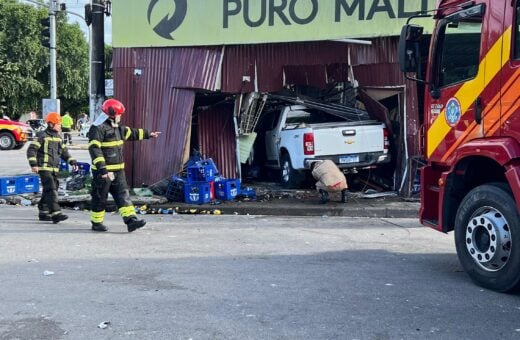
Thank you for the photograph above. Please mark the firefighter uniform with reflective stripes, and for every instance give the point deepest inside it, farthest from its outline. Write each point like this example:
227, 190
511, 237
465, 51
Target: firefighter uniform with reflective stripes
106, 150
45, 153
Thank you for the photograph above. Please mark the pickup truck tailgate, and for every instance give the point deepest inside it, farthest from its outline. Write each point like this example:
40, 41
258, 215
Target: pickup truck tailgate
347, 140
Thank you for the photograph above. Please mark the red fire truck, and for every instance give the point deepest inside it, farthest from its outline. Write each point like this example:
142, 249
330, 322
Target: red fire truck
471, 182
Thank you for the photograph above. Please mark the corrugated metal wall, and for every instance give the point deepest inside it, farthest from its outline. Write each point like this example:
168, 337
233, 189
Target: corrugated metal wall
144, 81
216, 135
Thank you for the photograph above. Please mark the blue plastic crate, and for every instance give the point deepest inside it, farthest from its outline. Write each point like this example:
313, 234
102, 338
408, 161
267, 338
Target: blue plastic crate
201, 173
208, 162
175, 191
83, 169
63, 165
248, 192
227, 189
15, 185
197, 193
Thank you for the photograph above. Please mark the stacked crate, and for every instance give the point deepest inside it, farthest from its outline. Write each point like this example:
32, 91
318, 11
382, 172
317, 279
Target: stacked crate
200, 178
22, 184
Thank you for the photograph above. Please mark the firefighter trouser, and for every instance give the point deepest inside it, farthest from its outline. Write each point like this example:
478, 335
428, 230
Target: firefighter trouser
67, 138
119, 191
48, 204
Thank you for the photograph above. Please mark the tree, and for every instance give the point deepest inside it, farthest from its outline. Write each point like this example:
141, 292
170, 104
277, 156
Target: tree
24, 62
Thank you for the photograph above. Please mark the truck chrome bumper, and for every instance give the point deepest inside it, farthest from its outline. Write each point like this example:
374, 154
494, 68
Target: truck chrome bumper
365, 160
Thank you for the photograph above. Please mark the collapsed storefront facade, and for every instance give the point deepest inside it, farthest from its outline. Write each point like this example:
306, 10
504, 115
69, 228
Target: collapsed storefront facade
161, 85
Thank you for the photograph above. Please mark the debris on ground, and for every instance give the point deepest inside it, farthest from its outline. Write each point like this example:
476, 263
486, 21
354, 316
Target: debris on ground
104, 324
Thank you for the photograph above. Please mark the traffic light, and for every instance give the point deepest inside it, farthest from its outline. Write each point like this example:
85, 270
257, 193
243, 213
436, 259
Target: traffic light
46, 32
88, 14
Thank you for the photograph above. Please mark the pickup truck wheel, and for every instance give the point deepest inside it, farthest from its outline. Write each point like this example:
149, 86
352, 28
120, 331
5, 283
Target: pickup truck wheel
290, 178
7, 141
487, 237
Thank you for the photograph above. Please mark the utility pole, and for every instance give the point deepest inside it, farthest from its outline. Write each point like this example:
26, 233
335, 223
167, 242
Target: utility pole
97, 57
49, 41
54, 7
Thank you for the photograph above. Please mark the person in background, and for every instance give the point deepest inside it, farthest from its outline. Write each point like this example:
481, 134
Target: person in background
330, 179
44, 156
83, 119
66, 127
106, 138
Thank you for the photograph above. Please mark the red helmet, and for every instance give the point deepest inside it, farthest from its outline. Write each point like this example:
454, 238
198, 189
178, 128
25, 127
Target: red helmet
113, 107
53, 118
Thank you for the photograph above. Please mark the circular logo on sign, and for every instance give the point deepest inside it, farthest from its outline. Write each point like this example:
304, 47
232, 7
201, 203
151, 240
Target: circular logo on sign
453, 112
169, 23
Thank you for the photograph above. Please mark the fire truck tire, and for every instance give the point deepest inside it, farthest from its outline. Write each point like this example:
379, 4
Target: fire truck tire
7, 141
487, 237
289, 178
19, 146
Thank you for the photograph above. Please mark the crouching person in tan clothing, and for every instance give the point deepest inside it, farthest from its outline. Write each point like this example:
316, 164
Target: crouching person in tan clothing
330, 179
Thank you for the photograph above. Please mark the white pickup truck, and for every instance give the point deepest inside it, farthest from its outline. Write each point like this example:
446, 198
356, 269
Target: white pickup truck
297, 136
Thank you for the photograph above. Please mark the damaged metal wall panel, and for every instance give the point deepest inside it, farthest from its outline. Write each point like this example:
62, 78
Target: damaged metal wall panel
205, 76
143, 80
264, 63
216, 135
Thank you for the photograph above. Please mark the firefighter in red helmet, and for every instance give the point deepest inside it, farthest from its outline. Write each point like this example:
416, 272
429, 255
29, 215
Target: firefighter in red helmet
106, 137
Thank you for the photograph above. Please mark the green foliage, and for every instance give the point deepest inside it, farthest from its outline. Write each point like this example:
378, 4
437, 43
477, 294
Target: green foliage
24, 62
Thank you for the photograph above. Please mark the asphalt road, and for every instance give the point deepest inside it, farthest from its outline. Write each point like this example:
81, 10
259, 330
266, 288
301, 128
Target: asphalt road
240, 277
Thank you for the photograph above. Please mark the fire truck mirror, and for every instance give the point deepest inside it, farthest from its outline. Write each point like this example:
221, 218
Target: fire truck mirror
409, 50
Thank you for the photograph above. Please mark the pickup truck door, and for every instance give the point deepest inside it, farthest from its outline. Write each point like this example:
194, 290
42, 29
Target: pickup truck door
272, 137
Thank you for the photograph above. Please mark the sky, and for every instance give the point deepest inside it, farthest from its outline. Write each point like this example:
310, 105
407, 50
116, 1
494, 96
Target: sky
78, 7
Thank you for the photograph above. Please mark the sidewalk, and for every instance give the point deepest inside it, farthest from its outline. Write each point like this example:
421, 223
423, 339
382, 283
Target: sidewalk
278, 203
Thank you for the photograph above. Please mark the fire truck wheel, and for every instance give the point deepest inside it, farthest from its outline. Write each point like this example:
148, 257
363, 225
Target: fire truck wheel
290, 178
487, 237
7, 141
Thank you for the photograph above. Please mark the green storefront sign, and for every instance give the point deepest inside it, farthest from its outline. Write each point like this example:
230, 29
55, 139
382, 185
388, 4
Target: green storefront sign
143, 23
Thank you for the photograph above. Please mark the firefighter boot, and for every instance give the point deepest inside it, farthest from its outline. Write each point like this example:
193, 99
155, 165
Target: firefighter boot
99, 227
59, 217
134, 224
44, 217
344, 196
324, 196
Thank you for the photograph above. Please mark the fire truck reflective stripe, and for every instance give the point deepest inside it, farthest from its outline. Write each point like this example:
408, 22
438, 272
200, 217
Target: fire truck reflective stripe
38, 145
509, 95
111, 144
492, 121
97, 217
128, 133
94, 142
99, 159
127, 211
468, 93
115, 167
141, 134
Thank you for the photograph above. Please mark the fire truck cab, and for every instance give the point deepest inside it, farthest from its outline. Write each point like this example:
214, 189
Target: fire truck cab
471, 183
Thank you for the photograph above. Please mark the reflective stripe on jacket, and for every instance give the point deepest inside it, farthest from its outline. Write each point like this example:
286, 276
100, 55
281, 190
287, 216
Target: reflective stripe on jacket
106, 144
46, 152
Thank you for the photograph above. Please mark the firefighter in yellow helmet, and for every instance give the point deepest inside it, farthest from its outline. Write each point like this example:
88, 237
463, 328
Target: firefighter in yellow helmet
106, 137
44, 156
